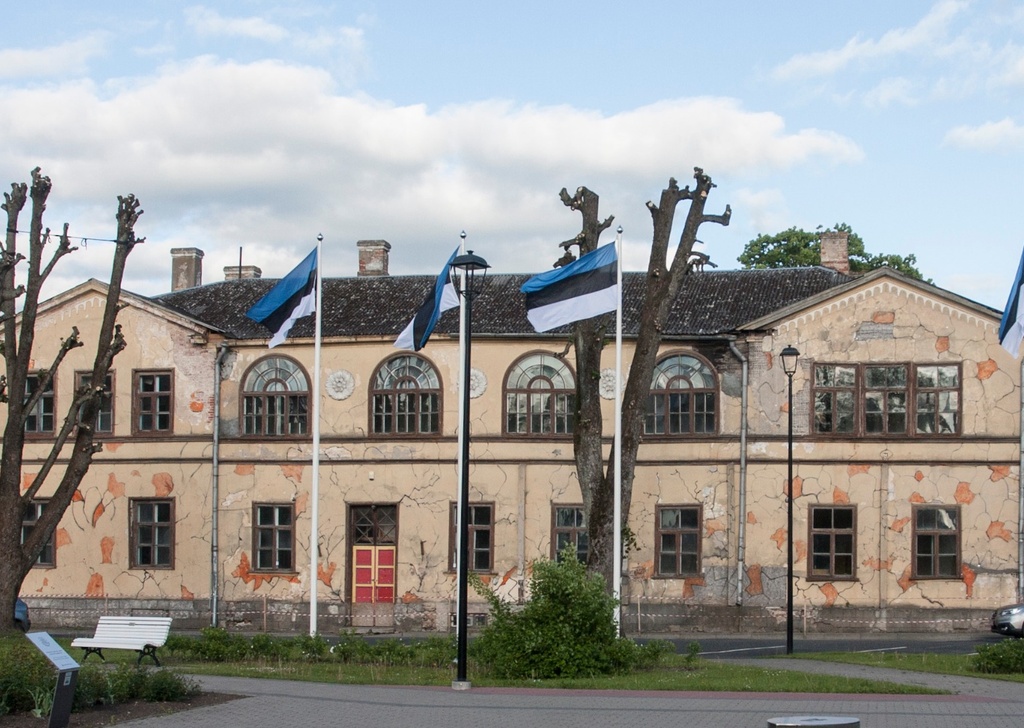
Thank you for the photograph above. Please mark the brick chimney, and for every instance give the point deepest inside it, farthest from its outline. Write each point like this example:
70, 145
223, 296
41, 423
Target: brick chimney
186, 268
239, 272
835, 252
373, 257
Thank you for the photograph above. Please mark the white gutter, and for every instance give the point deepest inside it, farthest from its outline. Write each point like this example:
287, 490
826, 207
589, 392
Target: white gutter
741, 543
215, 489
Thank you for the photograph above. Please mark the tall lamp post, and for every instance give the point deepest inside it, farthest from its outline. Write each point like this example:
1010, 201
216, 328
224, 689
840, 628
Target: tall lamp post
468, 273
789, 357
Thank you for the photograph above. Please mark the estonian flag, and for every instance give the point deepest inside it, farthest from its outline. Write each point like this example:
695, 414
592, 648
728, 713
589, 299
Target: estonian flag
585, 288
1011, 329
293, 297
441, 298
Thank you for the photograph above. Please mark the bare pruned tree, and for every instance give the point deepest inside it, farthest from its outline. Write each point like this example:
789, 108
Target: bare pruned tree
666, 271
24, 383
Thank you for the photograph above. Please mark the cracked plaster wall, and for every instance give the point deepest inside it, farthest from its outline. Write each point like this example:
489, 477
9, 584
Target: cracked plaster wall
524, 477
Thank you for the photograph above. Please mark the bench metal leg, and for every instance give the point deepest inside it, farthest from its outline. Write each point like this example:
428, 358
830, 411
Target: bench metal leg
93, 650
148, 651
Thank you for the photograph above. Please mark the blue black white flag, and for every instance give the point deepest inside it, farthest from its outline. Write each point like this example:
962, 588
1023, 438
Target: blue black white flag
1011, 329
583, 289
440, 298
293, 297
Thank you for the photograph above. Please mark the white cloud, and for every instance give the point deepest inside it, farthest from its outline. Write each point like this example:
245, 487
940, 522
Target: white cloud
209, 22
71, 58
927, 35
989, 137
888, 92
266, 155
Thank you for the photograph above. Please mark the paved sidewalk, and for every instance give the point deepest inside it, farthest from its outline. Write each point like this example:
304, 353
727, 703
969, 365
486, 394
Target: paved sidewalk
276, 703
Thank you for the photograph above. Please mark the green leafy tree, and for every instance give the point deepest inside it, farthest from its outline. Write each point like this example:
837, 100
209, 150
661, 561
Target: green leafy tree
796, 248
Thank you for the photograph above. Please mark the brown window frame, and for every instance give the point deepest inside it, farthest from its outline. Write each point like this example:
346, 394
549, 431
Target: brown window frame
39, 413
275, 529
286, 408
885, 397
402, 397
153, 526
817, 532
106, 402
670, 417
475, 527
139, 397
553, 419
696, 531
572, 533
935, 535
47, 558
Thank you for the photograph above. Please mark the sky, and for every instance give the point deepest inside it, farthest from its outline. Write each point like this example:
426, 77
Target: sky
247, 128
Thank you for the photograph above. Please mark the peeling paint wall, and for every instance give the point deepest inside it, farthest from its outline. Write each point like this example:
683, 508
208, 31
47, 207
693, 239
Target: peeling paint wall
884, 321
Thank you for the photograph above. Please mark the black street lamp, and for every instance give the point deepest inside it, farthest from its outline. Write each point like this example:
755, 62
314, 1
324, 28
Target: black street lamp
789, 357
468, 273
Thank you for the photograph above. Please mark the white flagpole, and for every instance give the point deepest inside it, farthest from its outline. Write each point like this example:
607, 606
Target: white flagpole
314, 527
463, 425
617, 459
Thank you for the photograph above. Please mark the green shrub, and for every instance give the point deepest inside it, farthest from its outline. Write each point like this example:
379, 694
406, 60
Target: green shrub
126, 682
566, 629
1005, 657
92, 688
217, 645
265, 647
167, 686
24, 672
352, 648
434, 652
312, 648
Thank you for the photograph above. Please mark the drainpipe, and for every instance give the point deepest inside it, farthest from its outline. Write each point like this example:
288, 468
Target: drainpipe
741, 542
222, 350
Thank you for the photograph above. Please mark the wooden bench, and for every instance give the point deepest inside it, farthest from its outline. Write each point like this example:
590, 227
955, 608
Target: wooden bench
142, 634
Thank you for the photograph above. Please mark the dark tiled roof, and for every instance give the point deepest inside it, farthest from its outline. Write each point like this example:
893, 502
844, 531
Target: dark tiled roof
709, 303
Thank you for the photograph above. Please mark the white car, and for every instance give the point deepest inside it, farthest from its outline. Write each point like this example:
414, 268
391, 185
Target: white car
1009, 620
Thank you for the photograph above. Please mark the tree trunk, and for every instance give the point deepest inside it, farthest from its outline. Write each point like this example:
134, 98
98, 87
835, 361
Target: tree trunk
597, 475
79, 421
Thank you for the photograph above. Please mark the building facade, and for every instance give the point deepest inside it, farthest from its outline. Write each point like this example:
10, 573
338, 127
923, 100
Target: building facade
906, 456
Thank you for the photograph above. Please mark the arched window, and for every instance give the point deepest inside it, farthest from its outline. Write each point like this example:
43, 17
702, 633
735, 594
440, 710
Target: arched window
275, 398
540, 394
683, 398
406, 397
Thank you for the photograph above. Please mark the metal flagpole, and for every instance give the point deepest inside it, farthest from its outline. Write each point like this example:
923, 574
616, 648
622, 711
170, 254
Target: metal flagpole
617, 459
314, 527
463, 425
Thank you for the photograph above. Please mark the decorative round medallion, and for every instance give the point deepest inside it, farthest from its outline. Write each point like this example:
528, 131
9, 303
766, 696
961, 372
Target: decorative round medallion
340, 384
607, 385
477, 383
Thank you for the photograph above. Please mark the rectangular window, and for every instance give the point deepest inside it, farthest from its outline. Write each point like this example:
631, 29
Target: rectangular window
887, 400
105, 415
938, 399
481, 541
936, 542
569, 530
834, 396
832, 539
274, 537
154, 397
39, 420
47, 557
152, 533
678, 535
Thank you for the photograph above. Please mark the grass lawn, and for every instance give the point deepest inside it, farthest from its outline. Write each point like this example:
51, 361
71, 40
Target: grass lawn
676, 674
924, 662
